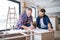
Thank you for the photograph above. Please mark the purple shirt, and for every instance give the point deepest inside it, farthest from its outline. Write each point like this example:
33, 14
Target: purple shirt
24, 20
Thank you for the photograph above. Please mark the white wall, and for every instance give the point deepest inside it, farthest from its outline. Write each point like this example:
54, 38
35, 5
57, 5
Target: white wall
54, 11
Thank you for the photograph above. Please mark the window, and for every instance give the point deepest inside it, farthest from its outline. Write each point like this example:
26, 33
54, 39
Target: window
33, 12
4, 5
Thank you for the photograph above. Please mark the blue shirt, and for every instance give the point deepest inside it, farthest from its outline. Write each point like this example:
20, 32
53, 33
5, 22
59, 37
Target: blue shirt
46, 20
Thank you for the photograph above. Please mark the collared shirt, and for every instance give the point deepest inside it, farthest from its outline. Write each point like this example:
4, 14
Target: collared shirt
24, 20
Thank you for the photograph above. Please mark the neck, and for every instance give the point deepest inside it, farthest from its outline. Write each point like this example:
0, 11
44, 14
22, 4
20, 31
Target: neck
40, 17
28, 15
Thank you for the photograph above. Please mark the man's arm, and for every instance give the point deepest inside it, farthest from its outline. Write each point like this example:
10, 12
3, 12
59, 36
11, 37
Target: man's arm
49, 27
32, 26
20, 23
24, 27
49, 24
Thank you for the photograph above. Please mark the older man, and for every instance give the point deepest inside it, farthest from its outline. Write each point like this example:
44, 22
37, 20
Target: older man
25, 20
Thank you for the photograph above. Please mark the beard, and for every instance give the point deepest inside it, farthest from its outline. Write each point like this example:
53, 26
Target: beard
41, 16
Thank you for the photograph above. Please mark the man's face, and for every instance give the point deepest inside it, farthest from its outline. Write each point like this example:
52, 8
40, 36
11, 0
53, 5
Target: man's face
29, 12
41, 14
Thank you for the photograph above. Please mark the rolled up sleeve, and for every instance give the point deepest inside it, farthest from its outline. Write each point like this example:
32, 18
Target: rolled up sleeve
47, 20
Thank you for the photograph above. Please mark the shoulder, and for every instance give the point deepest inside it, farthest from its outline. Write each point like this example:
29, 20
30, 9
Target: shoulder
45, 16
22, 16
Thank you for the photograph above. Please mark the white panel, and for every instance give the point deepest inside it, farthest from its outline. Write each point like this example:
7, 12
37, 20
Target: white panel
37, 37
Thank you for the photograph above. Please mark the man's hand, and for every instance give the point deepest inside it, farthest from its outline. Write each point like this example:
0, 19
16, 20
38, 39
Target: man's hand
51, 30
25, 27
49, 27
32, 27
